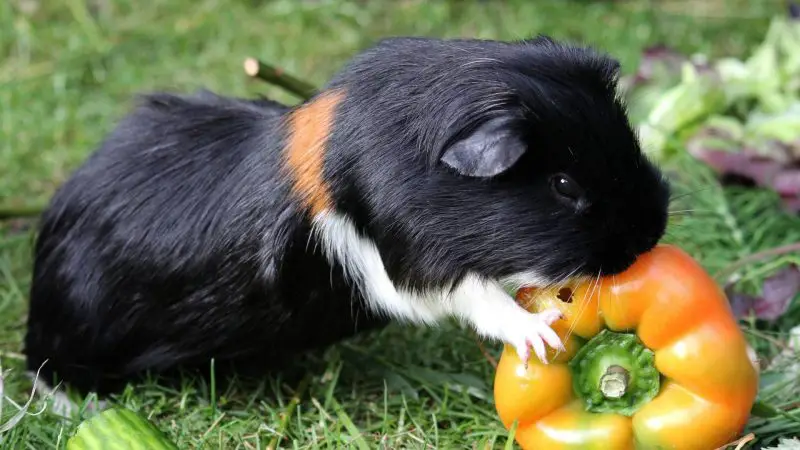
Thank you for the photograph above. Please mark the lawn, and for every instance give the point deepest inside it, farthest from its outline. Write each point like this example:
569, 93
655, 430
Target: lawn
69, 70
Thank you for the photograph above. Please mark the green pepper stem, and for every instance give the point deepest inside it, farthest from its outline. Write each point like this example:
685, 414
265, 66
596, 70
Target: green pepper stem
614, 372
614, 383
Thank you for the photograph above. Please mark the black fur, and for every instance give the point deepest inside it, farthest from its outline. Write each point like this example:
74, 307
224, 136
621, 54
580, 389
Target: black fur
409, 99
178, 240
175, 243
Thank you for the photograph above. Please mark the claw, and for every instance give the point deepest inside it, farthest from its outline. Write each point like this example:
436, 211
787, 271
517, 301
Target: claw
523, 351
538, 348
535, 332
553, 340
524, 354
551, 315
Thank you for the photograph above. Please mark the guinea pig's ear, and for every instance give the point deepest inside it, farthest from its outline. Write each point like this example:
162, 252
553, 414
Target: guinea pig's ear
489, 150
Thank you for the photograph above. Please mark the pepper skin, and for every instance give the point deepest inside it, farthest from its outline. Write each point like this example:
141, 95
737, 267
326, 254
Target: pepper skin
674, 319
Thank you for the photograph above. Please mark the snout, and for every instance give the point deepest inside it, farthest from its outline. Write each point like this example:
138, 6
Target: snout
615, 256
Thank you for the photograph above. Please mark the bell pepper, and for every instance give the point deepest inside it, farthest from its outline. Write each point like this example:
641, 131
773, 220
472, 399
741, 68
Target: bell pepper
654, 360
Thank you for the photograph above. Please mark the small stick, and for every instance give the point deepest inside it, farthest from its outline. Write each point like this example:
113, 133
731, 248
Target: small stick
273, 75
755, 257
739, 443
11, 212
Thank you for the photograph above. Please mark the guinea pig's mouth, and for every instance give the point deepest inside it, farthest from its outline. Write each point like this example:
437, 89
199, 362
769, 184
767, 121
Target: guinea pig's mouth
616, 261
616, 267
600, 265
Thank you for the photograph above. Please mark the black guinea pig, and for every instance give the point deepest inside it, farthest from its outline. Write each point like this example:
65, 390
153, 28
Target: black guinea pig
424, 180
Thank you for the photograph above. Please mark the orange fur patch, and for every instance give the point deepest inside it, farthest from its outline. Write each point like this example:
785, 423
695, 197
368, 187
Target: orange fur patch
309, 128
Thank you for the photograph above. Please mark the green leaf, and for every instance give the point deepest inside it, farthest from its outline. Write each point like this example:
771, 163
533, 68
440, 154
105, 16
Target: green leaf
686, 104
783, 126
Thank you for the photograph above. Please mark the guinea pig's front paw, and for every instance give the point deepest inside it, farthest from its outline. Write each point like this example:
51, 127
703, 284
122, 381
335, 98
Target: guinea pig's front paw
533, 331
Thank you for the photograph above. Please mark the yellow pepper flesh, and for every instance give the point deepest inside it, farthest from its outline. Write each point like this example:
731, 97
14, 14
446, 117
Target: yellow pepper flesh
708, 382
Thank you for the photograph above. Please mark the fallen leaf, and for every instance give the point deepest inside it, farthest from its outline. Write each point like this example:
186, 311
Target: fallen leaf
659, 61
792, 204
741, 304
787, 182
777, 293
748, 166
779, 290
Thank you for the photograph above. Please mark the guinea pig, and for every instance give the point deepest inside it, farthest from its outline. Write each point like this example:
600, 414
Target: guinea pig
427, 179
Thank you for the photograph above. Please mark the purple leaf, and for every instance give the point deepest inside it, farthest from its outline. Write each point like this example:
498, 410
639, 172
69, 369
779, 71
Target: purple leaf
664, 55
748, 167
762, 170
658, 60
777, 293
741, 304
792, 204
794, 10
779, 290
787, 182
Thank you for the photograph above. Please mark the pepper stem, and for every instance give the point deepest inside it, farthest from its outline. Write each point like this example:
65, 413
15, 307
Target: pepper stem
615, 372
614, 382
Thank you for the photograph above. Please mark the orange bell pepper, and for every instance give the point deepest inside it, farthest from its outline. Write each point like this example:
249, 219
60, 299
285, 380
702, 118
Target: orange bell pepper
654, 360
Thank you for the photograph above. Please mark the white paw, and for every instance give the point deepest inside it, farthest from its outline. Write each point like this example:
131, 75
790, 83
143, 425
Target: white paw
533, 331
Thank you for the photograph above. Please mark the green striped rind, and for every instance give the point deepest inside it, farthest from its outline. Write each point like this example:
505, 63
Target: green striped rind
119, 429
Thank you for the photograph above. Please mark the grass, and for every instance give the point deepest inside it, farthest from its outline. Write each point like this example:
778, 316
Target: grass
69, 70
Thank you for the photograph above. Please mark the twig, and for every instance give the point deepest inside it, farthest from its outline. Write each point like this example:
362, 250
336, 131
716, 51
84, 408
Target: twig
754, 257
278, 77
770, 339
287, 414
11, 212
739, 443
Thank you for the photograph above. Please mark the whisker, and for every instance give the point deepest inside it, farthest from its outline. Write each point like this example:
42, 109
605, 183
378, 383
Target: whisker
686, 194
695, 210
599, 277
565, 279
561, 283
614, 289
686, 212
596, 287
582, 308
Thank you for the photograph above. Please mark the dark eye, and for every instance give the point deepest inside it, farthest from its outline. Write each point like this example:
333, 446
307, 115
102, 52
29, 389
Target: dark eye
566, 187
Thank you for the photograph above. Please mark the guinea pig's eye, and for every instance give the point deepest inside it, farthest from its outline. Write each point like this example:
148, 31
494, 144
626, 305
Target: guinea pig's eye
566, 187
